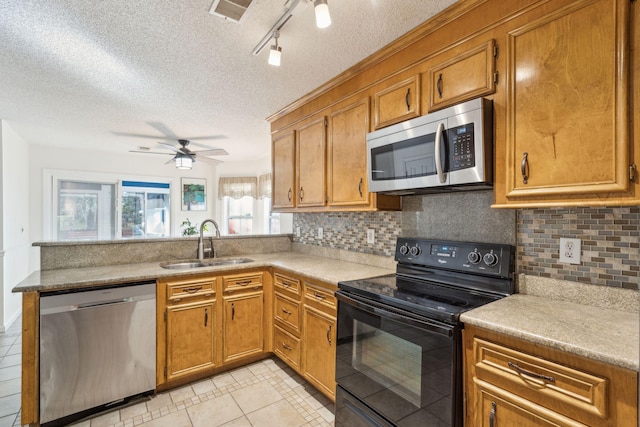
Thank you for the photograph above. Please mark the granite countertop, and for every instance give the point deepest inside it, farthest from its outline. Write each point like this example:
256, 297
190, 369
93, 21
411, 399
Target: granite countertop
602, 334
327, 270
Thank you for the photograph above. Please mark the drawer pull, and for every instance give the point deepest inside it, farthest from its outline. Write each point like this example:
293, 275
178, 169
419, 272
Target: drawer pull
492, 415
284, 310
319, 296
286, 347
531, 374
192, 290
243, 283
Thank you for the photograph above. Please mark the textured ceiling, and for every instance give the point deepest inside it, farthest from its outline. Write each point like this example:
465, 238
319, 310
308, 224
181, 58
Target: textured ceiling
79, 73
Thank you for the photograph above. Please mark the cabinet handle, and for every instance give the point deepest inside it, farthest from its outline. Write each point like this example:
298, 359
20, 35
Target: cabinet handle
319, 296
233, 311
524, 168
531, 374
206, 317
360, 187
286, 347
192, 290
284, 310
329, 334
439, 85
301, 193
407, 99
244, 283
492, 415
289, 195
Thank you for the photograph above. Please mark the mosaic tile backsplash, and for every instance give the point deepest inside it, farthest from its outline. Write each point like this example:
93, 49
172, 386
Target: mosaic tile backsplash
610, 239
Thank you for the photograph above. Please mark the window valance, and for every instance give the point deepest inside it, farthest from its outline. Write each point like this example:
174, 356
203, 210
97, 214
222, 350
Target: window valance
237, 187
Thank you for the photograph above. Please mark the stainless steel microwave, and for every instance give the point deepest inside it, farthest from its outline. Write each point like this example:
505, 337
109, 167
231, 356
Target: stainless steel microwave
447, 150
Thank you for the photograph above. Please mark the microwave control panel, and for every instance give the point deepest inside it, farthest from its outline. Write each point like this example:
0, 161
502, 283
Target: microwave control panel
462, 148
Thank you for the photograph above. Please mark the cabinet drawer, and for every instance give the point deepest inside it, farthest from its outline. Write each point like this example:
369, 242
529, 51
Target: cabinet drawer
287, 283
242, 282
317, 295
287, 311
191, 289
564, 389
287, 347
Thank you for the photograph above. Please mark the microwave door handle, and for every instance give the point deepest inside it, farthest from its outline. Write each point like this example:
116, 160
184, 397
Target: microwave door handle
442, 177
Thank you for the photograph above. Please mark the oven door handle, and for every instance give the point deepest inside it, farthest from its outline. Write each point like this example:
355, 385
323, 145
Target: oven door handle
396, 314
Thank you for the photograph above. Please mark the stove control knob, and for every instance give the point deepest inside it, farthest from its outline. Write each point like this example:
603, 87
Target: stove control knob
490, 259
404, 249
415, 250
474, 257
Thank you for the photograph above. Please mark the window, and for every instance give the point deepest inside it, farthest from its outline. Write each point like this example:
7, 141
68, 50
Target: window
94, 206
85, 210
145, 209
239, 215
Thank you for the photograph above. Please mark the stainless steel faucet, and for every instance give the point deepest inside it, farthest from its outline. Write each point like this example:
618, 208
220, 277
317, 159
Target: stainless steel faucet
200, 240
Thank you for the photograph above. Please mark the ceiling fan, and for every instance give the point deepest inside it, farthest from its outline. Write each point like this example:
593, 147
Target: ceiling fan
184, 157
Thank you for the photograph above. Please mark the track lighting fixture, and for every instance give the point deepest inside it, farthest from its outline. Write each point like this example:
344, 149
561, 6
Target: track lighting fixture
276, 52
323, 18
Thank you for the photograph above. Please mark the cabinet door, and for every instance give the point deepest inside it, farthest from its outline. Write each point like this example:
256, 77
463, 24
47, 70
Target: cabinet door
397, 102
465, 76
190, 338
568, 102
495, 411
243, 331
347, 155
310, 164
283, 178
319, 350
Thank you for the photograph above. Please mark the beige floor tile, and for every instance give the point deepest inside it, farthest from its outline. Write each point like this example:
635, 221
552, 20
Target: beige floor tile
223, 380
277, 414
238, 422
182, 393
174, 419
259, 368
133, 410
326, 414
256, 396
202, 387
214, 412
242, 374
106, 419
159, 401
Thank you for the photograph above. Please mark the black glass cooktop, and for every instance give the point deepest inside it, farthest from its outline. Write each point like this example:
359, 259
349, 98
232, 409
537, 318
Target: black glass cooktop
430, 299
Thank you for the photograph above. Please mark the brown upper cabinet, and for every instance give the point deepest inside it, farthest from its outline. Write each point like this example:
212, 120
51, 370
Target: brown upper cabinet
469, 73
310, 164
283, 171
568, 138
347, 154
398, 102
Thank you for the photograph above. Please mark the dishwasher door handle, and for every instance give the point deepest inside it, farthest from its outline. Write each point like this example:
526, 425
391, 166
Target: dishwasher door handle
101, 303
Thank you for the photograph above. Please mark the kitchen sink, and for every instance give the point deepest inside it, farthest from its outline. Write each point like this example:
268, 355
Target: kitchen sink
194, 263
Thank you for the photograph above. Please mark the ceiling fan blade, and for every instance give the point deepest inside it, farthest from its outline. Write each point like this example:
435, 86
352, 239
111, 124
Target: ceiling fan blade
172, 160
210, 161
212, 152
197, 144
138, 135
170, 147
150, 152
163, 129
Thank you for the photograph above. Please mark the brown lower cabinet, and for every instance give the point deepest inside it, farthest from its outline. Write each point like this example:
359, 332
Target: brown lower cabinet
512, 382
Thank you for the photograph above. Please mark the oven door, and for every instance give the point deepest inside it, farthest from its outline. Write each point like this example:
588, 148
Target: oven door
396, 365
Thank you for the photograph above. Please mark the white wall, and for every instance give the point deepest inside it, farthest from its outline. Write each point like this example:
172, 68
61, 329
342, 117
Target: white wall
15, 220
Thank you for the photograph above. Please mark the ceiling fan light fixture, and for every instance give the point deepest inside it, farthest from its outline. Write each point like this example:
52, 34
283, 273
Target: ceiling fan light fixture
323, 17
183, 161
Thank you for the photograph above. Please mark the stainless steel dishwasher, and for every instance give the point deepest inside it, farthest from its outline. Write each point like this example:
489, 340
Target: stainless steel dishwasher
97, 347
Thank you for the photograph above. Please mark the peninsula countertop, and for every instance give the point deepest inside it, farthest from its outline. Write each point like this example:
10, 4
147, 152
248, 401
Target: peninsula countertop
597, 333
327, 270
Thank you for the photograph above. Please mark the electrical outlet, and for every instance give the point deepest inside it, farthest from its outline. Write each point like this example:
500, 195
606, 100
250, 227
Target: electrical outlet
320, 233
570, 250
297, 231
371, 236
